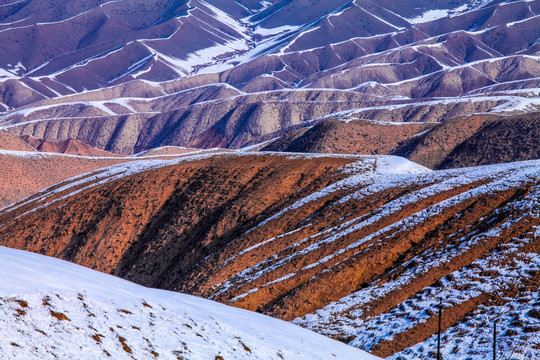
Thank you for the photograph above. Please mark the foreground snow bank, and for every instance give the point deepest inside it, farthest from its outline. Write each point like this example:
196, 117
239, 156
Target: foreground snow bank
54, 309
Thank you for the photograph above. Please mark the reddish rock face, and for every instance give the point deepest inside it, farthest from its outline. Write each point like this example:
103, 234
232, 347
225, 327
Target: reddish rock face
432, 148
339, 243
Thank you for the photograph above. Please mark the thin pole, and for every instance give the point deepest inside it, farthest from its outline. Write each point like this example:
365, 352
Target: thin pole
439, 332
495, 340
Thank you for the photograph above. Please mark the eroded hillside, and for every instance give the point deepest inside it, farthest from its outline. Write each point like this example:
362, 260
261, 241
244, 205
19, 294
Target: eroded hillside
25, 172
480, 139
339, 244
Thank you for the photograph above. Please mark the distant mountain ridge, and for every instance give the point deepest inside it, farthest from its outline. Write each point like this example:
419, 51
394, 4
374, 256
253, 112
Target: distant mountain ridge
480, 139
215, 73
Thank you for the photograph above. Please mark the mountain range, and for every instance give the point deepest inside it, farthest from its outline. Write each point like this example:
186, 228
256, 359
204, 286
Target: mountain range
227, 74
352, 167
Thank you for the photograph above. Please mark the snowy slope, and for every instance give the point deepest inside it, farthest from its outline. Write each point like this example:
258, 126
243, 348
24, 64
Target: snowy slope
54, 309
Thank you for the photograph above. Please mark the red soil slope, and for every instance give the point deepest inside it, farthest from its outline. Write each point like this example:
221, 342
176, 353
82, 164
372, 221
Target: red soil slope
347, 246
10, 141
24, 173
68, 147
360, 137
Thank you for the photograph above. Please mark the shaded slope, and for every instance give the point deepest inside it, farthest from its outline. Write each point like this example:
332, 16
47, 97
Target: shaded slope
211, 210
361, 137
480, 139
342, 245
432, 148
498, 141
475, 140
219, 116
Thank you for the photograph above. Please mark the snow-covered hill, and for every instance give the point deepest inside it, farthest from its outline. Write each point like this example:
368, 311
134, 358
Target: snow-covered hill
52, 309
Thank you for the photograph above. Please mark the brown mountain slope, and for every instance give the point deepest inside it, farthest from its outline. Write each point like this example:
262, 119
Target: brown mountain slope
213, 201
286, 45
68, 147
10, 141
361, 137
357, 248
476, 140
431, 148
499, 140
24, 173
457, 142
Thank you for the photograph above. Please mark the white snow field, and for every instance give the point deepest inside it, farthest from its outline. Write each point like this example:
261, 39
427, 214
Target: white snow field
53, 309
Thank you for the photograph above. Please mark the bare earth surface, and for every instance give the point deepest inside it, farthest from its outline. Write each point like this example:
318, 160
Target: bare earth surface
454, 143
225, 74
24, 173
10, 141
361, 137
68, 147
